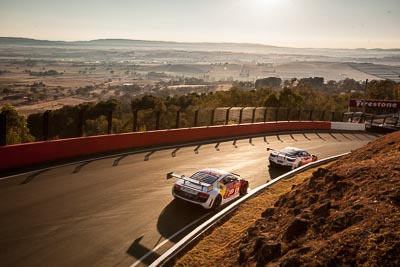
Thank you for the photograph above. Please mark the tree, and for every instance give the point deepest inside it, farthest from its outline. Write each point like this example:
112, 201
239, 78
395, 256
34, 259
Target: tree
349, 85
96, 126
316, 82
289, 98
382, 89
148, 102
271, 100
17, 130
273, 82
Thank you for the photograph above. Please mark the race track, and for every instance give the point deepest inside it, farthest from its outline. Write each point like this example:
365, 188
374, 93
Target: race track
115, 211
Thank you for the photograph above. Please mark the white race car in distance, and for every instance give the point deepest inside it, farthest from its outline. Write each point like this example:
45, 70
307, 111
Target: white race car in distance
209, 188
290, 157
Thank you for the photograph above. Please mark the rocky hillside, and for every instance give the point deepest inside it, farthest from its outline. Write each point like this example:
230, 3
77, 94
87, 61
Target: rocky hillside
347, 214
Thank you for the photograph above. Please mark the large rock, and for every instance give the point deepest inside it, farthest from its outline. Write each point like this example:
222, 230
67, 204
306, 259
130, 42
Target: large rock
297, 228
266, 250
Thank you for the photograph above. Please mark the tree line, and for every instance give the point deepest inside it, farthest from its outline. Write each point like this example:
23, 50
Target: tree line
306, 94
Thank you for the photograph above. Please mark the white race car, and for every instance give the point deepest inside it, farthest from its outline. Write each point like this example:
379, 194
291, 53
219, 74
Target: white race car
290, 157
209, 188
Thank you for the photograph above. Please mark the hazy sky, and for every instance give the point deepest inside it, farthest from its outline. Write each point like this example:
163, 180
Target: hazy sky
294, 23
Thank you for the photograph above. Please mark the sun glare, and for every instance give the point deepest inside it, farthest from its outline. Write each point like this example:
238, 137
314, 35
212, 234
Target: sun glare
264, 7
268, 3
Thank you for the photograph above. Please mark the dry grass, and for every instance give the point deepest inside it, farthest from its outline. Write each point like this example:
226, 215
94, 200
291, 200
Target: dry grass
49, 105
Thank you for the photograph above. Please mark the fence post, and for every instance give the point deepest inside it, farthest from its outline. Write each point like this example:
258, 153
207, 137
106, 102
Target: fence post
333, 116
396, 121
299, 115
46, 125
253, 115
227, 116
276, 114
362, 118
109, 121
135, 116
158, 115
265, 114
3, 128
80, 122
372, 119
212, 117
196, 117
241, 115
178, 114
323, 115
311, 112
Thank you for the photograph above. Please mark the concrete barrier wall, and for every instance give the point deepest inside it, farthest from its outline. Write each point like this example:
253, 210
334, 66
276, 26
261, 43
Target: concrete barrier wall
21, 155
348, 126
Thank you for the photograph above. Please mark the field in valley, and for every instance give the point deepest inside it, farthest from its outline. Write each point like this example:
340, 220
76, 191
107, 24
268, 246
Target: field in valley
83, 74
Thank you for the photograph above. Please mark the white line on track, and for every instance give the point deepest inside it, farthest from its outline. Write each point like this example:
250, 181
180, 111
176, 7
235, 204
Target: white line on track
168, 240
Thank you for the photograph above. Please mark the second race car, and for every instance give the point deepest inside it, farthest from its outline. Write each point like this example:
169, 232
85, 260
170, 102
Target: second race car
290, 157
209, 188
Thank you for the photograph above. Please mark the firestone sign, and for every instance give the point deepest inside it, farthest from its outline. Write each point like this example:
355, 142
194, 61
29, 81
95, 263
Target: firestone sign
358, 103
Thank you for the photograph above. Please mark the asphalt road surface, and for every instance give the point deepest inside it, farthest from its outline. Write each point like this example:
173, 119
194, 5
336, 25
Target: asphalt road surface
119, 211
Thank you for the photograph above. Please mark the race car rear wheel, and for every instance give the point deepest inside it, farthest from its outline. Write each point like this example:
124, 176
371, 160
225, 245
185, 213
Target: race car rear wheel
243, 189
217, 202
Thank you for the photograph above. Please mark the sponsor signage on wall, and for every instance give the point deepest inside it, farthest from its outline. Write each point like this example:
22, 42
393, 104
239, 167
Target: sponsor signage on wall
372, 103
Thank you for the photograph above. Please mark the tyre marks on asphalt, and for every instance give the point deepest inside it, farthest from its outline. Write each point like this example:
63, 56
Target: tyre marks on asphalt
320, 137
293, 138
334, 137
116, 162
234, 143
251, 141
32, 176
306, 137
345, 136
173, 153
217, 146
147, 156
196, 150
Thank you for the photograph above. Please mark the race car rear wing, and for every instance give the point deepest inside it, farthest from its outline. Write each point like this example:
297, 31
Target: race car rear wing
172, 175
187, 179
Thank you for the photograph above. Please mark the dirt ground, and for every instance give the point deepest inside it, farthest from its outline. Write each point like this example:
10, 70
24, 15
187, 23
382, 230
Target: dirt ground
344, 214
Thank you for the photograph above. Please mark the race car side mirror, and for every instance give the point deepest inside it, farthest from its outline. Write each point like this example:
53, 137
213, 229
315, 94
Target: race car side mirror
169, 175
267, 148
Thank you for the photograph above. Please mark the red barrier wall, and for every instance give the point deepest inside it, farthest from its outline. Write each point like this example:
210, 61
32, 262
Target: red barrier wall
17, 156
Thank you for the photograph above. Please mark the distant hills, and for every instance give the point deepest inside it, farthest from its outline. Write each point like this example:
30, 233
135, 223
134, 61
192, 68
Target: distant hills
163, 45
144, 45
28, 41
114, 42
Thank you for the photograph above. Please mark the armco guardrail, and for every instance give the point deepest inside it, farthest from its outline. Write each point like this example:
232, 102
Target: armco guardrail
21, 155
170, 253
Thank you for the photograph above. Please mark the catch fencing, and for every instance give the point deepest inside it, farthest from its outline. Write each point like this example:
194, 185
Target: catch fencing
51, 125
